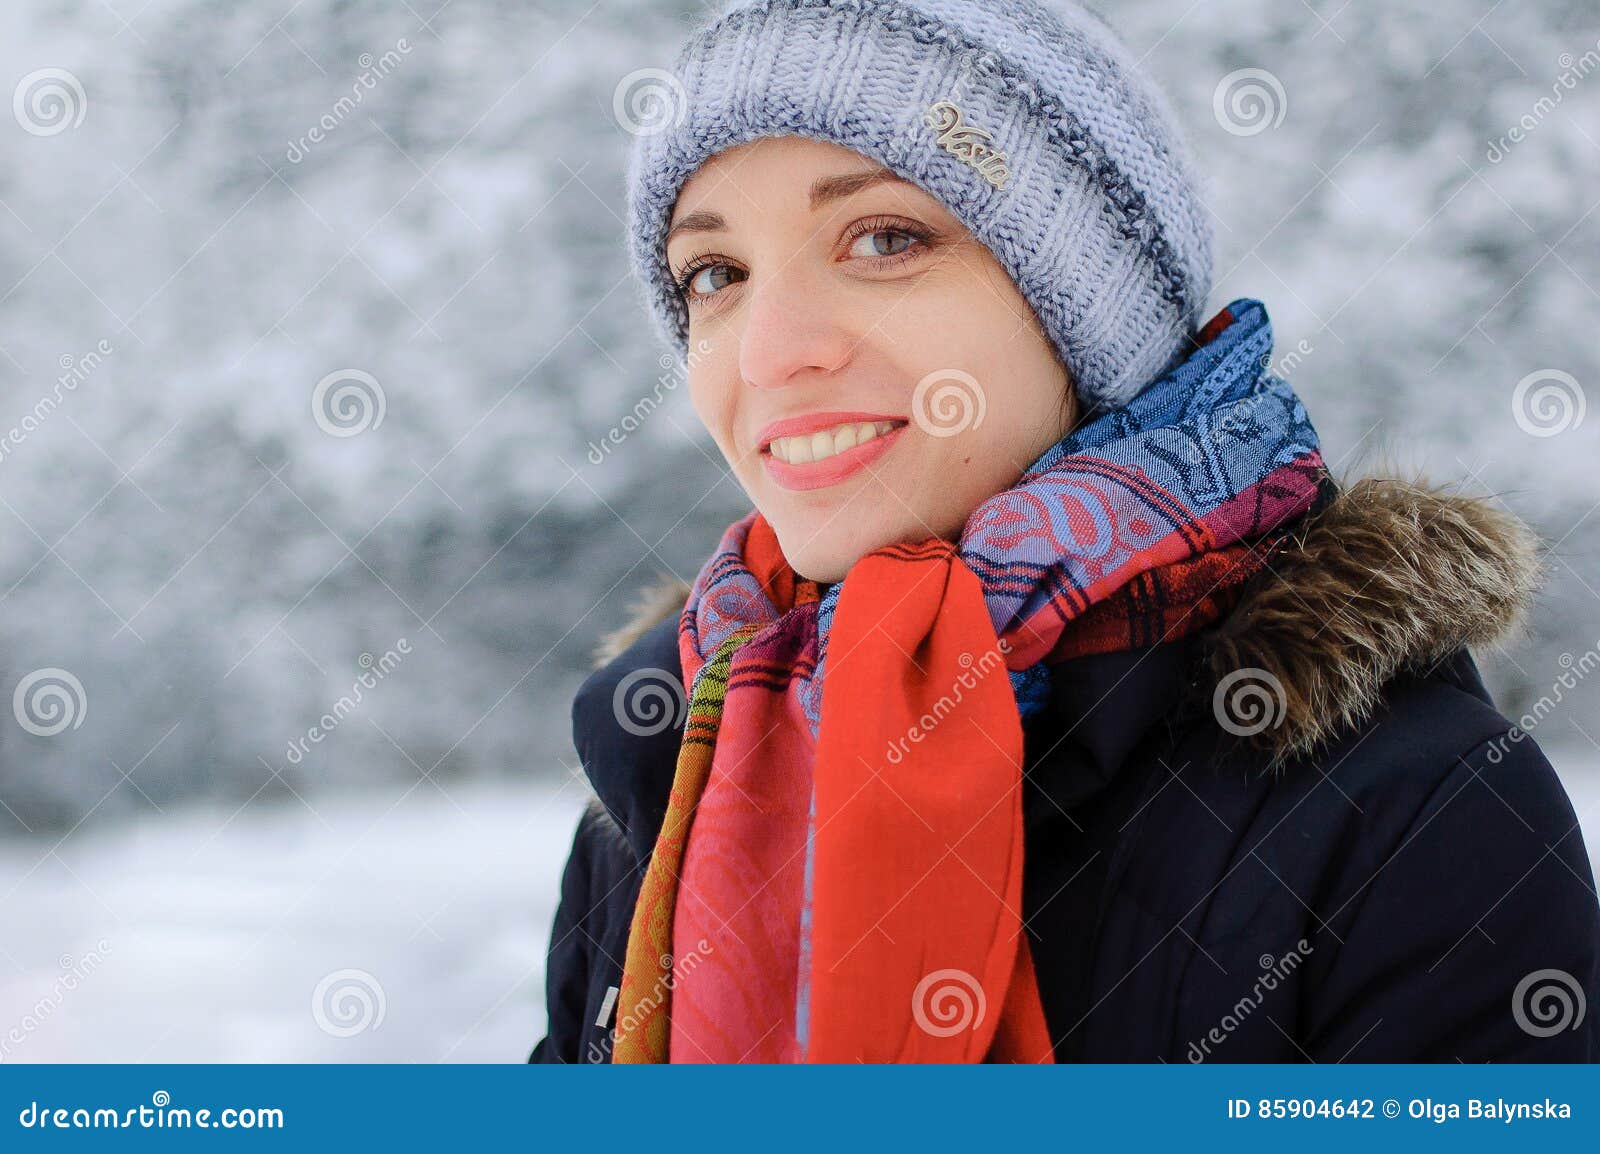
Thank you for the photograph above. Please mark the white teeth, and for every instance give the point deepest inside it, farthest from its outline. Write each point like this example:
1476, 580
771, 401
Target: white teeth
826, 443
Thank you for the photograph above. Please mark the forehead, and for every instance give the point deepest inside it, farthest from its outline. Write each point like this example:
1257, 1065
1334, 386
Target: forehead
762, 174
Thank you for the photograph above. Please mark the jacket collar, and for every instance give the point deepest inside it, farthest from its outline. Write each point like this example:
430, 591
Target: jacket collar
1389, 575
1101, 706
631, 765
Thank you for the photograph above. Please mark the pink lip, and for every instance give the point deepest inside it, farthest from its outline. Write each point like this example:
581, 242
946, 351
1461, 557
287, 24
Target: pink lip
830, 470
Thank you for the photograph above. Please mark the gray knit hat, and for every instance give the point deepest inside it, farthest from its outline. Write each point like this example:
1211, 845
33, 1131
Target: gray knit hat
1030, 121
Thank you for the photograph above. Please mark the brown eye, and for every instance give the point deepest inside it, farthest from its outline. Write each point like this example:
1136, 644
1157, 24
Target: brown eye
883, 242
709, 278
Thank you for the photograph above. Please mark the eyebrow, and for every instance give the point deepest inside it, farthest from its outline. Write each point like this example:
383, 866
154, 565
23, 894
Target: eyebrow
824, 190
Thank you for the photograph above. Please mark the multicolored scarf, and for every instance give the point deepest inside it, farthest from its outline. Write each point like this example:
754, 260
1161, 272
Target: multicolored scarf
852, 766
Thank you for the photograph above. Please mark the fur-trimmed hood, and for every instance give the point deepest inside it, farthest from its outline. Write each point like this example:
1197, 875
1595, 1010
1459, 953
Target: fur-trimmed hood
1390, 575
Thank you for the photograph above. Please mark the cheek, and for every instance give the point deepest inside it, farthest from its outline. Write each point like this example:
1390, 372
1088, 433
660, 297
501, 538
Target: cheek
956, 328
714, 399
1008, 413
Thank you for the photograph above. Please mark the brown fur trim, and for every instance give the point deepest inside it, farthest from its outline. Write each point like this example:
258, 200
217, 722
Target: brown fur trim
1391, 575
659, 600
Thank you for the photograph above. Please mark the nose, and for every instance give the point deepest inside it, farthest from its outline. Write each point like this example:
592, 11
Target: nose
792, 324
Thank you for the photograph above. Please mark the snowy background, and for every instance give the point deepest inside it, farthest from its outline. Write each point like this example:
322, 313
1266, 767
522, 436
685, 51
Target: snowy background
196, 564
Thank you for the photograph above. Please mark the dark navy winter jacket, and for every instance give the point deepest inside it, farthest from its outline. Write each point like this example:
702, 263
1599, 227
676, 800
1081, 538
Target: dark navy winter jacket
1413, 888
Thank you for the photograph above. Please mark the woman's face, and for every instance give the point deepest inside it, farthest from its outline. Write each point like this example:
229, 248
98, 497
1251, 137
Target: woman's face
867, 368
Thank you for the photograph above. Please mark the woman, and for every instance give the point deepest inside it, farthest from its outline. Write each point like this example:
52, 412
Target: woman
1053, 702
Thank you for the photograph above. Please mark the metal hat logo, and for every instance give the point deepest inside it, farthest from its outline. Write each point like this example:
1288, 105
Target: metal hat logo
967, 143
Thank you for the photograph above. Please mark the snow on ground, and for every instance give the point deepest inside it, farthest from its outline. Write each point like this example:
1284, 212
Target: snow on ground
1580, 773
204, 935
1582, 780
201, 936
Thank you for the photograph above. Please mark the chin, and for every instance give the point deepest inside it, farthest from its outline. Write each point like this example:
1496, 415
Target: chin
824, 566
825, 553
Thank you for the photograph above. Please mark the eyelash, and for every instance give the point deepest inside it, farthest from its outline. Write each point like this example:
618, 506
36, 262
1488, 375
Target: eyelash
700, 261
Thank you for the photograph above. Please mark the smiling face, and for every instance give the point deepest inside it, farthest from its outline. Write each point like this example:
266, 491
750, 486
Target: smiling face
868, 369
